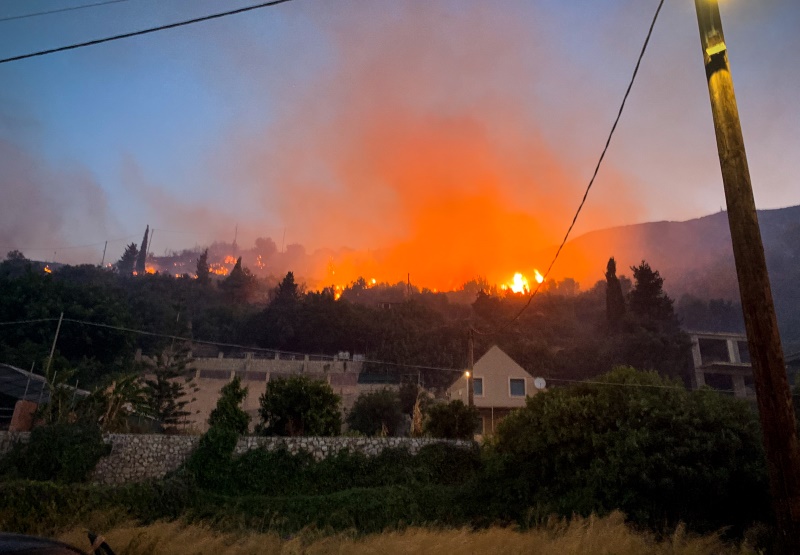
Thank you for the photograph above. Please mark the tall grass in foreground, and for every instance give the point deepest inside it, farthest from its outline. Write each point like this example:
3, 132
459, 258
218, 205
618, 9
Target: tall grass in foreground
590, 536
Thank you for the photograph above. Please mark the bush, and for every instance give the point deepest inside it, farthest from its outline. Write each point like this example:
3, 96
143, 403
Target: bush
376, 413
641, 444
228, 413
453, 420
60, 452
300, 406
210, 463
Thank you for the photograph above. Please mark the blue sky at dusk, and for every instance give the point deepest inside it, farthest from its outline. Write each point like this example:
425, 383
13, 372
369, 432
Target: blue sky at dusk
375, 124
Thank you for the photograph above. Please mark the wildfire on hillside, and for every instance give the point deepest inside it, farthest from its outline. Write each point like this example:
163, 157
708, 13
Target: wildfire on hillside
520, 284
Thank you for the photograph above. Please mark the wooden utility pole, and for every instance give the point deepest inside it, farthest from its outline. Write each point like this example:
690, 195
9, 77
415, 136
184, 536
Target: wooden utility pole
763, 339
53, 346
470, 363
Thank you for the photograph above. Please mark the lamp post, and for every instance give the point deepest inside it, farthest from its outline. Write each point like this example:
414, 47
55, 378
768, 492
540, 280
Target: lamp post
468, 373
763, 339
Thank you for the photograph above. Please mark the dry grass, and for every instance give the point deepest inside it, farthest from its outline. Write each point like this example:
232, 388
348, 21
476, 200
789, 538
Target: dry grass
591, 536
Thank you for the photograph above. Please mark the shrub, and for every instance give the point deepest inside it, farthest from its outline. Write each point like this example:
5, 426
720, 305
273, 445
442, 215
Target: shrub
228, 413
376, 413
453, 420
210, 463
60, 452
300, 406
638, 443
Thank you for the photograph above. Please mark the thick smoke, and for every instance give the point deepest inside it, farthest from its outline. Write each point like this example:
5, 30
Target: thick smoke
418, 143
46, 208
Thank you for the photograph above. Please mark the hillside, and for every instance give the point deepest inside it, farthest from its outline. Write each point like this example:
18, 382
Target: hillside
695, 257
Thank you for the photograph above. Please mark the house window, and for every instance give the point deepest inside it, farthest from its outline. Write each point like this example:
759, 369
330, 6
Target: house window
517, 387
477, 387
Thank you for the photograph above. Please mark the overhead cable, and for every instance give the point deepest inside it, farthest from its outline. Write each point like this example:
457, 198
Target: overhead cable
59, 10
594, 175
143, 31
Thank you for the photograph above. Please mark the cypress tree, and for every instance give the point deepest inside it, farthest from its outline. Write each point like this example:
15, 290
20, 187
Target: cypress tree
142, 258
615, 302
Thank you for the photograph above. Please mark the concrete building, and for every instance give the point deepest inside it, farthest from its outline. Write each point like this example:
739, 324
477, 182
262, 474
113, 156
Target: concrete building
500, 385
256, 369
722, 361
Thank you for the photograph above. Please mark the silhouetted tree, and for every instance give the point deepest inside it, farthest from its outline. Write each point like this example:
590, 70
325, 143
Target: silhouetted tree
203, 273
141, 259
615, 302
647, 299
15, 255
239, 283
287, 293
126, 264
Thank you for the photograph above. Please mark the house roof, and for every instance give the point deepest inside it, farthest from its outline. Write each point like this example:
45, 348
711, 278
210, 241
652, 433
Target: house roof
496, 370
21, 384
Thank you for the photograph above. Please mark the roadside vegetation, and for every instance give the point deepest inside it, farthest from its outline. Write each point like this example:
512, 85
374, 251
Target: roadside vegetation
577, 536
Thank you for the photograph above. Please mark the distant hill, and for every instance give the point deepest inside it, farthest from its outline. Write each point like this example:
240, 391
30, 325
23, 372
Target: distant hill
695, 257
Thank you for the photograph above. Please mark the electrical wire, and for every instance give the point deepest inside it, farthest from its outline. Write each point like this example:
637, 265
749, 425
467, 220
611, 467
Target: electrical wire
591, 181
71, 246
73, 8
143, 31
248, 348
20, 322
331, 358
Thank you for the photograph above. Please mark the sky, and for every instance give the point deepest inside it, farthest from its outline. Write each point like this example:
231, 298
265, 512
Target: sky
446, 138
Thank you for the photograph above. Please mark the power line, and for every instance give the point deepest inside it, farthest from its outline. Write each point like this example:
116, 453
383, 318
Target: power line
37, 14
249, 348
70, 246
28, 321
594, 174
330, 357
143, 31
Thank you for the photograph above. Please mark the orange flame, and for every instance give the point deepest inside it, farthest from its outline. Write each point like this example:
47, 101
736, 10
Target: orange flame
520, 284
47, 270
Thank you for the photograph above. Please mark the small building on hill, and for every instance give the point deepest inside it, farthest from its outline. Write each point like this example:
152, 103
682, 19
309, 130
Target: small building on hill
500, 385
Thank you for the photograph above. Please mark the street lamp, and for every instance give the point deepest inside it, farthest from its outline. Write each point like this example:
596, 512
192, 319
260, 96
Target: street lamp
763, 338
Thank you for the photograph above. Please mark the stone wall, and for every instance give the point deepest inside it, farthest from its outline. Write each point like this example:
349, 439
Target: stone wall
139, 457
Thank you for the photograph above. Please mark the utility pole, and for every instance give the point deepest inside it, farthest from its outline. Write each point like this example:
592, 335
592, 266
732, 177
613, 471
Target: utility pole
53, 346
470, 363
103, 260
763, 339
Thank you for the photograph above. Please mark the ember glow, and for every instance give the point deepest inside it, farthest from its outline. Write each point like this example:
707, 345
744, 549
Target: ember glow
47, 270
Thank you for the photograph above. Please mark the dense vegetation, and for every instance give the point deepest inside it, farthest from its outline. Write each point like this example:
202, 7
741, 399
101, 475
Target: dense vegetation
629, 440
565, 334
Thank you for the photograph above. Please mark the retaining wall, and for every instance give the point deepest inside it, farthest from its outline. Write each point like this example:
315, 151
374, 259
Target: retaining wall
137, 457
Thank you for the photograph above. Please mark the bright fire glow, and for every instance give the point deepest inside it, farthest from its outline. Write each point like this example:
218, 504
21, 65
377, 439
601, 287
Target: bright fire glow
47, 270
230, 260
519, 284
150, 269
